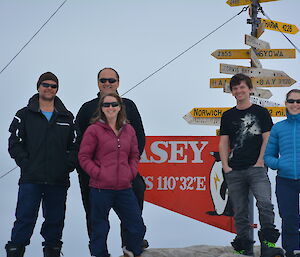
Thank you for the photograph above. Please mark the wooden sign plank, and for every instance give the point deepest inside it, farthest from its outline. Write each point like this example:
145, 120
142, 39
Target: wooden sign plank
244, 2
256, 63
261, 53
260, 29
201, 121
263, 102
217, 112
280, 26
285, 81
256, 43
250, 71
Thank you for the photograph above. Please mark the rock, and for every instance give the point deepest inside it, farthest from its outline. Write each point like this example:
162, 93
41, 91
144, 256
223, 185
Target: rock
195, 251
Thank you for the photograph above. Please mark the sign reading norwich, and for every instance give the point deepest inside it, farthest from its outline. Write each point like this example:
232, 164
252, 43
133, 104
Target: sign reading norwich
217, 112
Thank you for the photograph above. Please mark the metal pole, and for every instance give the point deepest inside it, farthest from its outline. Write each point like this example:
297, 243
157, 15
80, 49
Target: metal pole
254, 21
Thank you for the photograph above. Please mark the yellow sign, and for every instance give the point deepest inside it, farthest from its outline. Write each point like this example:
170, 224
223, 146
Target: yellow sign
285, 81
260, 29
217, 112
280, 26
244, 2
260, 53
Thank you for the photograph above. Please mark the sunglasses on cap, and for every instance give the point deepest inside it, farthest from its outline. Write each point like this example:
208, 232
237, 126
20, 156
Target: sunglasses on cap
46, 85
107, 104
110, 80
291, 101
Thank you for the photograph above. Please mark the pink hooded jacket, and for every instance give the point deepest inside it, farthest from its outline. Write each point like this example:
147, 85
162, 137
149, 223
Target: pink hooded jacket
111, 161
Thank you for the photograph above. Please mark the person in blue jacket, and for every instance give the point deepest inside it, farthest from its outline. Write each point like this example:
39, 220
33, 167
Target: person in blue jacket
283, 154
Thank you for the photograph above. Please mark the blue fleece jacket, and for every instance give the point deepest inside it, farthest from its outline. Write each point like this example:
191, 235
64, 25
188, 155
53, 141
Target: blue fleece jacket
283, 149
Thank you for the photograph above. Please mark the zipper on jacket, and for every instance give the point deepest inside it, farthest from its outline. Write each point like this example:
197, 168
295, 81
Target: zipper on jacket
118, 157
295, 153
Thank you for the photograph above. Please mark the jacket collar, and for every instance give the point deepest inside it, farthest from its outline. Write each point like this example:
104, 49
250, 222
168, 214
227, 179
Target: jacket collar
59, 107
293, 117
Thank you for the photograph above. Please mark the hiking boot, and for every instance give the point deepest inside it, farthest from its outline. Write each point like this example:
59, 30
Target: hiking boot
145, 244
52, 251
14, 251
268, 237
243, 246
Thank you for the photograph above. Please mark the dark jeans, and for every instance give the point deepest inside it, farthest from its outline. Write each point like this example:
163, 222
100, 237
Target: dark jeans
239, 183
125, 204
53, 200
138, 186
287, 193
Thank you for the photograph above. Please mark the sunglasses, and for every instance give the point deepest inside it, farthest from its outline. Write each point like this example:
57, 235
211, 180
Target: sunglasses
110, 80
46, 85
107, 104
291, 101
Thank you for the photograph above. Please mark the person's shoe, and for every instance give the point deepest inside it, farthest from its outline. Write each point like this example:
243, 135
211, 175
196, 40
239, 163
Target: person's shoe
52, 251
269, 249
14, 251
145, 244
243, 246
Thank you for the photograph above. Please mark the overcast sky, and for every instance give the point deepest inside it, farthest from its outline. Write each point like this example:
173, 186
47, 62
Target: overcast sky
136, 38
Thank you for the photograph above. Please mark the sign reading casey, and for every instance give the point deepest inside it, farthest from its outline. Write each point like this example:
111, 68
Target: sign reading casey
184, 174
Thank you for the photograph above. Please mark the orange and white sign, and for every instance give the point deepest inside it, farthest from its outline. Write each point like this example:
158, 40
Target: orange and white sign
184, 174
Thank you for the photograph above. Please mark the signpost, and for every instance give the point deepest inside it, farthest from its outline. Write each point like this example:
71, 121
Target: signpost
261, 53
280, 26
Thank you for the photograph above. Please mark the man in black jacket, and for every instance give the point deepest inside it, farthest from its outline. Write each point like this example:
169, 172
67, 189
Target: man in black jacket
43, 144
108, 81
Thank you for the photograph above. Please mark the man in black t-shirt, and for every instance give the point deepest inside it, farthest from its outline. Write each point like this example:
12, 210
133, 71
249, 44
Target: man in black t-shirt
244, 133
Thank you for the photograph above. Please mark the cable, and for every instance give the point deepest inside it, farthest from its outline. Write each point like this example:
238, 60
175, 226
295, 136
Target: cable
262, 11
176, 57
8, 172
32, 37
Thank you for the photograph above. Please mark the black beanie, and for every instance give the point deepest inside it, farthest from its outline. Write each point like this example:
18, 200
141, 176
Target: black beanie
47, 76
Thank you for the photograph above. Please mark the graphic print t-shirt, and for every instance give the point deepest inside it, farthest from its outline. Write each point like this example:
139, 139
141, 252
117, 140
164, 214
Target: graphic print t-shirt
245, 129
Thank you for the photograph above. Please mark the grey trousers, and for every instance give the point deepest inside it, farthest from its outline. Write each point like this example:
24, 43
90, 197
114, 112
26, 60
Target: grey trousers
239, 183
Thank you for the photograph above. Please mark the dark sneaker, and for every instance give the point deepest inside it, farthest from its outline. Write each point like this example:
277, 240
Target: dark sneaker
269, 249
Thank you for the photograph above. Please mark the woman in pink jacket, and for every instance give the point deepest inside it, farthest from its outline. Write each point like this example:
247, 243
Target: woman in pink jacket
109, 154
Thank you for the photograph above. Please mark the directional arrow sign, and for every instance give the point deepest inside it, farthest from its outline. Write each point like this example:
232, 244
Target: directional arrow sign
201, 121
260, 29
257, 82
273, 81
256, 43
250, 71
263, 102
261, 53
217, 112
244, 2
254, 59
280, 26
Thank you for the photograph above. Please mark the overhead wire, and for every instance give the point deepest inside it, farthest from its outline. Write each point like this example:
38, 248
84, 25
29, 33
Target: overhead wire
183, 52
35, 34
149, 76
